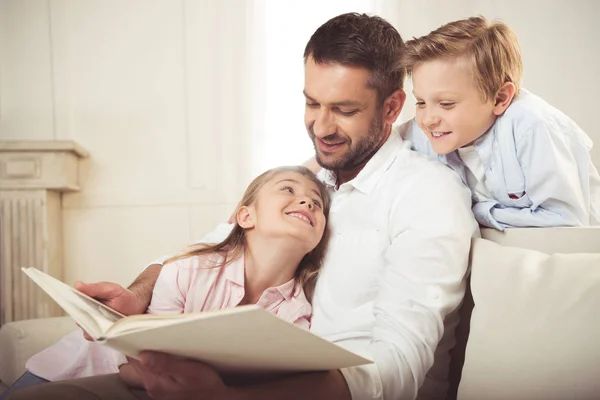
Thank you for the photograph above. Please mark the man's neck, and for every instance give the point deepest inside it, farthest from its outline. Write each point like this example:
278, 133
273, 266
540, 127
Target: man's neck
346, 175
268, 262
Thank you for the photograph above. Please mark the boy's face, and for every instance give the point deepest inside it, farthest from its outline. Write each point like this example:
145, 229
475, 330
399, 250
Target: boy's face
450, 109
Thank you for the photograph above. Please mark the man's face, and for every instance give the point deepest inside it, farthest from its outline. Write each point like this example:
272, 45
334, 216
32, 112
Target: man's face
342, 116
450, 109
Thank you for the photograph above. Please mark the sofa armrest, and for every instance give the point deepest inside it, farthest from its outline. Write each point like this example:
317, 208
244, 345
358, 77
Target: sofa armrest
22, 339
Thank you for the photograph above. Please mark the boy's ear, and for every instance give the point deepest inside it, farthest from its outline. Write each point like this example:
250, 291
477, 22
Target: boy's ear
503, 97
393, 105
245, 217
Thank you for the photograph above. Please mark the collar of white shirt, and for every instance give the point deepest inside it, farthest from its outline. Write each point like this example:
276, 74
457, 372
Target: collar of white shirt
367, 178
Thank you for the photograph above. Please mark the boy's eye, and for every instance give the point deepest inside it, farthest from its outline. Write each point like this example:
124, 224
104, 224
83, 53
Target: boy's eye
317, 203
288, 189
447, 105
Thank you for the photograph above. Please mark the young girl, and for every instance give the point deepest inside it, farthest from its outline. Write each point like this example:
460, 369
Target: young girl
527, 164
272, 254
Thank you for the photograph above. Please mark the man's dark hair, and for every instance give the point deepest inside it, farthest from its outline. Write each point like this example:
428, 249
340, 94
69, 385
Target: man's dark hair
360, 40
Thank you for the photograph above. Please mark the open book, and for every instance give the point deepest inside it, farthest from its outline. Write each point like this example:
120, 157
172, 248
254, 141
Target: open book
238, 340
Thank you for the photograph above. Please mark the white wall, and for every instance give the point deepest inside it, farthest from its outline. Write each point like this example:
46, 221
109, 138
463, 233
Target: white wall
169, 99
140, 85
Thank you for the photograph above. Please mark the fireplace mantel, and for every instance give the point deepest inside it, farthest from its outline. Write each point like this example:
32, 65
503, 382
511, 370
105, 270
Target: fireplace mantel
33, 176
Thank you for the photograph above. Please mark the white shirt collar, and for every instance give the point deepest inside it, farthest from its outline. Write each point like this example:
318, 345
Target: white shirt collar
369, 176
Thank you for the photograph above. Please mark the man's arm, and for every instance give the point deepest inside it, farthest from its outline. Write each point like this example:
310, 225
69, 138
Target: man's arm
423, 281
143, 285
167, 377
130, 301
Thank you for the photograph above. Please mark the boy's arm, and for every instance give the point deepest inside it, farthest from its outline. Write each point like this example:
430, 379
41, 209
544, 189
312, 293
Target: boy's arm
556, 174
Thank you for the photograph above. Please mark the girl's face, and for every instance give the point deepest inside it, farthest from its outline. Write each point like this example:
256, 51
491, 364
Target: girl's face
290, 204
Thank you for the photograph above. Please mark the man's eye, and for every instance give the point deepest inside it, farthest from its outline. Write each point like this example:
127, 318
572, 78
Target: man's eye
312, 105
347, 113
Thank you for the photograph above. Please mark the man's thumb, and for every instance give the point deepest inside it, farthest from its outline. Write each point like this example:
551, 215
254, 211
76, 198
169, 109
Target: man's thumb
100, 290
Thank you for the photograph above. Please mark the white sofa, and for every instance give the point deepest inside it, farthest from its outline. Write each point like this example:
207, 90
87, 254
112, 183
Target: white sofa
511, 347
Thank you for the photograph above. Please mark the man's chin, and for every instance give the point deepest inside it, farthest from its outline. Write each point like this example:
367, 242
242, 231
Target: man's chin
330, 163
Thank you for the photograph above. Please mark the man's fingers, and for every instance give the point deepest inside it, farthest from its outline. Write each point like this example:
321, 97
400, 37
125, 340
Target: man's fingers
154, 362
85, 334
178, 369
100, 290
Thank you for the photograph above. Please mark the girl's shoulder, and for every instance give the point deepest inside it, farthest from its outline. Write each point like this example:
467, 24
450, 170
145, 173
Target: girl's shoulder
201, 261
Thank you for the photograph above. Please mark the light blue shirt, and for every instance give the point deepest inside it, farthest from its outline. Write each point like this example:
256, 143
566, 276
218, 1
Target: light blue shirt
538, 155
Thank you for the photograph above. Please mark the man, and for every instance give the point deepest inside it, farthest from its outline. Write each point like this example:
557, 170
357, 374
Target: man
400, 235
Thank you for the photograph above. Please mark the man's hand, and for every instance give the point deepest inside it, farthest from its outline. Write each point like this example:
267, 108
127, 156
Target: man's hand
113, 295
131, 373
173, 378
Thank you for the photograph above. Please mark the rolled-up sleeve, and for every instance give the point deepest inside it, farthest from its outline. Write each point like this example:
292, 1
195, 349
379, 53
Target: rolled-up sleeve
422, 282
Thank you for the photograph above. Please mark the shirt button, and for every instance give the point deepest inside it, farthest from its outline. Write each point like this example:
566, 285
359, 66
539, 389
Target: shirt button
434, 293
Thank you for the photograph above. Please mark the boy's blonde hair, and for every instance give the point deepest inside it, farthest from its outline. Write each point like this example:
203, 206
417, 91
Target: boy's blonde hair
233, 245
490, 49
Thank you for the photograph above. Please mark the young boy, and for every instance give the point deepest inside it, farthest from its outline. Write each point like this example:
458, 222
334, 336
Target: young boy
526, 163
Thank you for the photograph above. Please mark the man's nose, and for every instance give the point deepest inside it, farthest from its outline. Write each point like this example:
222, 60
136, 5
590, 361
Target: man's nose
324, 124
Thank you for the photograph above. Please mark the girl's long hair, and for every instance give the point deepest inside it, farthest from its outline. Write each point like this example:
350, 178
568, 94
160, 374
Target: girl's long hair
233, 246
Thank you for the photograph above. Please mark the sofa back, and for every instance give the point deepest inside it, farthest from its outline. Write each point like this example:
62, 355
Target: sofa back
565, 240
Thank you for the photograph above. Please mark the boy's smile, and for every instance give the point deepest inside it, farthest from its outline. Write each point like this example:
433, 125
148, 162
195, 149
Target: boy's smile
451, 110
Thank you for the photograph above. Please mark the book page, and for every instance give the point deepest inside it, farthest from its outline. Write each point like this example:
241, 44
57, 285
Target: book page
152, 321
93, 316
241, 340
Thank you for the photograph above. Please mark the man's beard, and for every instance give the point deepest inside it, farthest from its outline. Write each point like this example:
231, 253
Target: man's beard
360, 151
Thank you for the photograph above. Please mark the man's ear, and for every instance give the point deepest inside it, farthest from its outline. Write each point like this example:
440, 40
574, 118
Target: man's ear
504, 97
393, 105
245, 217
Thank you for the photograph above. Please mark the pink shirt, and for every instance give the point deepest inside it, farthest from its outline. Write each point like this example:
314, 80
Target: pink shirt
184, 286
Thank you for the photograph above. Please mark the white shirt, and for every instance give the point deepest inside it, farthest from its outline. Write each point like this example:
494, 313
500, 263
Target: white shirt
475, 174
395, 268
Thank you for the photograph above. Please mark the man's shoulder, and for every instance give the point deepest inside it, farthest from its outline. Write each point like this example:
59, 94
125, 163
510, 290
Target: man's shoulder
415, 173
415, 165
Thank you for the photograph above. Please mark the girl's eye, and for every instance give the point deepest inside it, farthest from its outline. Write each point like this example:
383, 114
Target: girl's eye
317, 203
288, 188
447, 105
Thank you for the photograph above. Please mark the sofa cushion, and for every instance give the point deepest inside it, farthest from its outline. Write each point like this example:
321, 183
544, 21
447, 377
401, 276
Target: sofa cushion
22, 339
534, 328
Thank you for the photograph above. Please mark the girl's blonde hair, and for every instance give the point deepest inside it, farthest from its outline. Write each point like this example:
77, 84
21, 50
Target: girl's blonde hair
491, 50
233, 245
